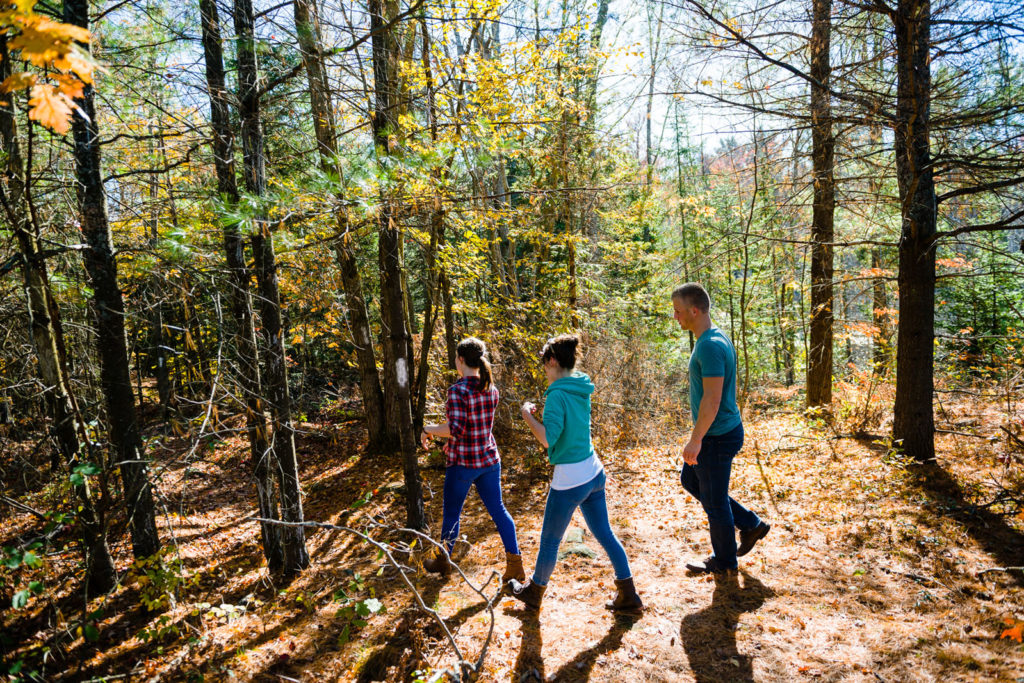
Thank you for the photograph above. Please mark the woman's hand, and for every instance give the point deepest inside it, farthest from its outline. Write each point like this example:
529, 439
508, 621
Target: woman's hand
425, 440
536, 427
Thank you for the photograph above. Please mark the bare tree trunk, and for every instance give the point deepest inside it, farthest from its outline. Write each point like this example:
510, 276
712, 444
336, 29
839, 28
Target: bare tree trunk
729, 278
913, 416
48, 342
157, 342
819, 360
880, 316
241, 301
283, 445
449, 320
882, 341
744, 334
436, 218
307, 21
397, 364
654, 47
108, 307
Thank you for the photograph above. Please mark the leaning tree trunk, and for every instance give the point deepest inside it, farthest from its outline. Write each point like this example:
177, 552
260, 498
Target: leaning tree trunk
913, 417
108, 308
156, 341
44, 316
293, 537
307, 22
397, 363
819, 360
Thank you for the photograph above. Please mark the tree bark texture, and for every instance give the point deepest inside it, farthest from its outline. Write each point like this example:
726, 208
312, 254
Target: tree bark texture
437, 224
48, 342
276, 372
240, 299
882, 340
108, 308
913, 417
397, 363
157, 342
880, 317
307, 23
819, 360
449, 320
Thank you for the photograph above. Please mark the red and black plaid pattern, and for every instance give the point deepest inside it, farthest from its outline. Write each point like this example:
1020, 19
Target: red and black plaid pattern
470, 418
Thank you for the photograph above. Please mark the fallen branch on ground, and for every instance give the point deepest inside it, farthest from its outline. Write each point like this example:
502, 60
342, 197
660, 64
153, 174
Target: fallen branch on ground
992, 570
23, 508
466, 668
1013, 437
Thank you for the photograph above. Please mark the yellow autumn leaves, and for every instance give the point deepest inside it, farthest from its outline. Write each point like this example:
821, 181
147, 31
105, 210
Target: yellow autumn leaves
46, 44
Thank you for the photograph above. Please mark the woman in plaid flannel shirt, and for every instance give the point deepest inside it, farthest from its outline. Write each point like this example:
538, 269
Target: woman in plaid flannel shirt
471, 457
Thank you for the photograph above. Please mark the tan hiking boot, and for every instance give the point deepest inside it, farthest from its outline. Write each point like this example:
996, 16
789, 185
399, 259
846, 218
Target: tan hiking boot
626, 599
513, 569
438, 564
529, 593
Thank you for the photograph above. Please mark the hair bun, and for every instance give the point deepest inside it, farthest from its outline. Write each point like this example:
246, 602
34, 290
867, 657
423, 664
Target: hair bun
563, 349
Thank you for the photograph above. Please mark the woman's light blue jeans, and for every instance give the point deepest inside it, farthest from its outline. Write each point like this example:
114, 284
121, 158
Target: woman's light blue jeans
590, 499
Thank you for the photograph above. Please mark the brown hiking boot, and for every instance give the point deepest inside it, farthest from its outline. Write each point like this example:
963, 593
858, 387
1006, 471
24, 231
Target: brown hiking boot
513, 569
750, 537
529, 593
438, 564
708, 566
626, 599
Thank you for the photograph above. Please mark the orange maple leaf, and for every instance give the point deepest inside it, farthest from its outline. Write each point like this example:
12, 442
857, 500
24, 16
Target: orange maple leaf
18, 81
43, 41
50, 108
1017, 633
77, 62
69, 86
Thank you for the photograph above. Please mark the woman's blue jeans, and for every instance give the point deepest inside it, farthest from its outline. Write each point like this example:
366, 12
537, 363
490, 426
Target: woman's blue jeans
708, 482
590, 499
457, 482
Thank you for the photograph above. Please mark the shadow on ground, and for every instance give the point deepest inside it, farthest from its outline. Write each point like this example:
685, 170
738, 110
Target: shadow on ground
529, 664
709, 636
991, 530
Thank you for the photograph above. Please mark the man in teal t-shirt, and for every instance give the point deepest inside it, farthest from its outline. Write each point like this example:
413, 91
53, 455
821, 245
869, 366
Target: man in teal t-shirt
717, 434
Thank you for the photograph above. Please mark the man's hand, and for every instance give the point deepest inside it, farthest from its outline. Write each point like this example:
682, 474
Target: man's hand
528, 409
691, 450
425, 440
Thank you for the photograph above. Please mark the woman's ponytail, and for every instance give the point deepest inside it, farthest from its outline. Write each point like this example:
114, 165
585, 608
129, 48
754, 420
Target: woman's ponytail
474, 354
485, 374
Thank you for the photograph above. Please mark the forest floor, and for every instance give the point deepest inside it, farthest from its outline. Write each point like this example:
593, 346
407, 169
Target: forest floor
873, 571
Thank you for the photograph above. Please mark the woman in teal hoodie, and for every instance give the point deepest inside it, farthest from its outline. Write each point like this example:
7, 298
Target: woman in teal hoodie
578, 480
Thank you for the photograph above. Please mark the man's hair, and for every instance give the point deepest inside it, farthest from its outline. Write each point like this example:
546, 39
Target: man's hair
694, 294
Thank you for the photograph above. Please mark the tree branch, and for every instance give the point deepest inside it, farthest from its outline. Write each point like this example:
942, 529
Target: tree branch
976, 189
1004, 224
294, 71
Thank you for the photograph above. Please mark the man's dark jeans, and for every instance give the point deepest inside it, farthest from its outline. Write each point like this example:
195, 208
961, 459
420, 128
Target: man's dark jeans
708, 482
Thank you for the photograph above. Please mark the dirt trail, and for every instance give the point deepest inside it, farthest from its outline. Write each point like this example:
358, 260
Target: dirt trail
868, 574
